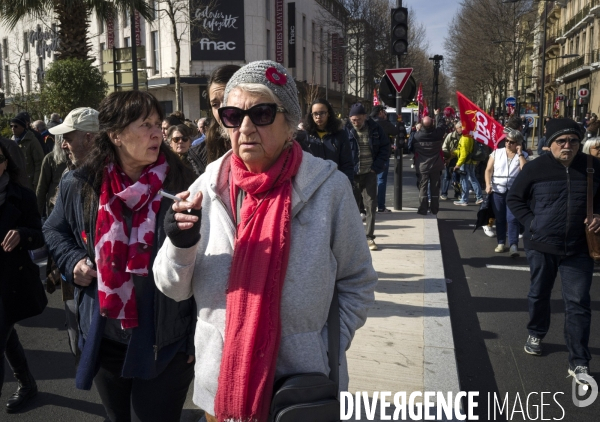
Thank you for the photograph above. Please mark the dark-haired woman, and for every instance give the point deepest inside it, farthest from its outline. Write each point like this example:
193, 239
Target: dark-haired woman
20, 231
217, 144
326, 138
107, 225
180, 141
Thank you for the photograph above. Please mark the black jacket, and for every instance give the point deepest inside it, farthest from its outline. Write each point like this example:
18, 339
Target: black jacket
63, 231
549, 199
333, 146
378, 141
427, 146
196, 157
19, 212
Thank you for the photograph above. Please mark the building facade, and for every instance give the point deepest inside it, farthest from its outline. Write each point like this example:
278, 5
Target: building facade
305, 36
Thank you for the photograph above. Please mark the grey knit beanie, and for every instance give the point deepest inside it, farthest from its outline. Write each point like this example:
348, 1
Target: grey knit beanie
275, 77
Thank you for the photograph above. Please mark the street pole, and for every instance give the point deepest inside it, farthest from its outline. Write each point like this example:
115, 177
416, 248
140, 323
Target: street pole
541, 110
399, 151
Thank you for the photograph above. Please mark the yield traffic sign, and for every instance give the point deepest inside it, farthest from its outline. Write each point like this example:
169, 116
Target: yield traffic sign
399, 77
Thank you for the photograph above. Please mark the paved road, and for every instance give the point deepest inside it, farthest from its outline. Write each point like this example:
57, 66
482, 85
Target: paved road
52, 364
489, 314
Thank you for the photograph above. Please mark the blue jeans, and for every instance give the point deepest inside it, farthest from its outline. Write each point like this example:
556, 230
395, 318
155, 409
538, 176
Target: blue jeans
576, 275
449, 176
381, 186
504, 218
467, 178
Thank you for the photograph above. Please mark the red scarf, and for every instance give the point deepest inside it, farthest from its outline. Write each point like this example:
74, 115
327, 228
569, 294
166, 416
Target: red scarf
119, 254
260, 259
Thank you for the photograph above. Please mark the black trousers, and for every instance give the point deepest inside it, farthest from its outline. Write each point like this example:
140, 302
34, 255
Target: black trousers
11, 348
159, 399
432, 181
365, 188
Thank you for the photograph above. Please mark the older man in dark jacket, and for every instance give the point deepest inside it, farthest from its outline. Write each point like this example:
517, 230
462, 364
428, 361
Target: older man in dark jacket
370, 151
429, 161
549, 198
380, 116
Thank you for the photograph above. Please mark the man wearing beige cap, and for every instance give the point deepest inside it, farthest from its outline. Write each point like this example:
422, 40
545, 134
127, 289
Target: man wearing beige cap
78, 130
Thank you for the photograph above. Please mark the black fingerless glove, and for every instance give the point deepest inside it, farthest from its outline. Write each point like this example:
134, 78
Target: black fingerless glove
182, 238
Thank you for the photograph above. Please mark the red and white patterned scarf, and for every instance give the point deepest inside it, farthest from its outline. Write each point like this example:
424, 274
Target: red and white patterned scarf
120, 254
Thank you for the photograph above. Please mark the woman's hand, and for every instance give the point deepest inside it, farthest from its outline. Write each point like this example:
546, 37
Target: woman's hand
183, 215
11, 240
83, 274
594, 225
519, 149
182, 220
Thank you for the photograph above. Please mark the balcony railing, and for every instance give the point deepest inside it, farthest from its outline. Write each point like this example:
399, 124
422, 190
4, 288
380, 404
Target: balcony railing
550, 78
580, 15
574, 64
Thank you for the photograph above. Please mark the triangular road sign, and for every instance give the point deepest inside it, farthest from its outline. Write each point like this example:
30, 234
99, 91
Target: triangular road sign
399, 77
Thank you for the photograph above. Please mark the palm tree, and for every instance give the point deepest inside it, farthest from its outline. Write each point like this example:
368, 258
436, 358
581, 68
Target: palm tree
72, 16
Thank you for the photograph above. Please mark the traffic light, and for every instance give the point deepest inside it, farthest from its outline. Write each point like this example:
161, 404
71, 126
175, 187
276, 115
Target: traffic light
399, 27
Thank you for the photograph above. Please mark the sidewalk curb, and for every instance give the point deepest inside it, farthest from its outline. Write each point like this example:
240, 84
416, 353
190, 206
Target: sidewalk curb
440, 368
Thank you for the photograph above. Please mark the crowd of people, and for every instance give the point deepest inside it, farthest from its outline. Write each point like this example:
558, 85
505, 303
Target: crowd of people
153, 291
541, 201
180, 247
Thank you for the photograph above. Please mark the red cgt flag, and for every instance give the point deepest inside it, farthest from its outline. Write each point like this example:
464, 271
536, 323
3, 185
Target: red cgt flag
478, 124
375, 97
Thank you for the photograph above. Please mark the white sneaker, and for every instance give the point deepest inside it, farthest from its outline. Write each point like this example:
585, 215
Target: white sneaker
500, 248
363, 216
489, 232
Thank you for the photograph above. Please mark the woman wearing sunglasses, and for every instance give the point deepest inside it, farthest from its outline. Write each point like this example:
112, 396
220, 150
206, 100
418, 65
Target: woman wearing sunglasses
181, 143
503, 167
21, 292
278, 230
326, 138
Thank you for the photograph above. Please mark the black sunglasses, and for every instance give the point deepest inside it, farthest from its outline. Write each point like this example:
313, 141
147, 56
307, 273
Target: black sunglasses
260, 115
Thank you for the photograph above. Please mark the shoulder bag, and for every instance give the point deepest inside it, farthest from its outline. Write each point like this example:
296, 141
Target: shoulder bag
593, 239
312, 396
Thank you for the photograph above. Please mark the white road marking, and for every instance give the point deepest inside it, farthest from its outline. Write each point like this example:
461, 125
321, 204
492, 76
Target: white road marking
517, 268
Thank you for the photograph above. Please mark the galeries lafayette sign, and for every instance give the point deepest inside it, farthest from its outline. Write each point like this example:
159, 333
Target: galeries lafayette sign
217, 30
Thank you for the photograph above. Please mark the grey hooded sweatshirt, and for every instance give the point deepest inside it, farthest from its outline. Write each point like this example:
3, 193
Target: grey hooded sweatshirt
328, 248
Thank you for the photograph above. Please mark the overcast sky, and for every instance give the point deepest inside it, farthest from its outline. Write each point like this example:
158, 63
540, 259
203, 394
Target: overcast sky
435, 15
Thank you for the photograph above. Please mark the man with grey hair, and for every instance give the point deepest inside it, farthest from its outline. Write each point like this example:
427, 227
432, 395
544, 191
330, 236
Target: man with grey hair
202, 125
48, 139
54, 120
78, 129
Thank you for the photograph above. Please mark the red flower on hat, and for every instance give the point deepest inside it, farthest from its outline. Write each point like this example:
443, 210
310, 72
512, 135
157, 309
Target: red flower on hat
275, 76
